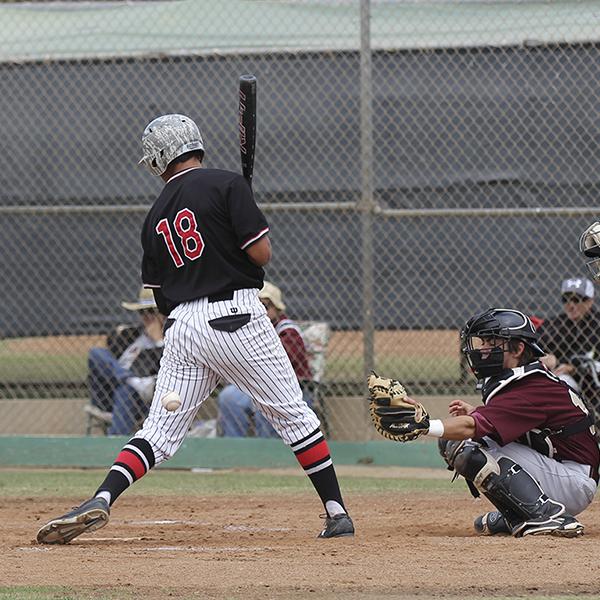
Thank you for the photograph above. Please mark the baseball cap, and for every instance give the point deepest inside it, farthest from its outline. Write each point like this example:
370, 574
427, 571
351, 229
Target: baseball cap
145, 300
578, 285
273, 293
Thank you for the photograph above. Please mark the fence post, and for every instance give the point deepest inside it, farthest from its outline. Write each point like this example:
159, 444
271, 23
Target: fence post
367, 203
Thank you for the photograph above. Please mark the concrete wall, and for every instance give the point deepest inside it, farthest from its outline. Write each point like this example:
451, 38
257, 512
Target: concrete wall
66, 416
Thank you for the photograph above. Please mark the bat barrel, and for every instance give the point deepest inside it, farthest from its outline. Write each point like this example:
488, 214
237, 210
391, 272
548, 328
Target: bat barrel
247, 123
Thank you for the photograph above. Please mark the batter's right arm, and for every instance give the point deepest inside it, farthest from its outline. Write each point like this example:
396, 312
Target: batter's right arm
260, 252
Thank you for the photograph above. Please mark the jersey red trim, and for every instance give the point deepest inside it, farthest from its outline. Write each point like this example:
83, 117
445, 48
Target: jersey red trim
253, 239
182, 173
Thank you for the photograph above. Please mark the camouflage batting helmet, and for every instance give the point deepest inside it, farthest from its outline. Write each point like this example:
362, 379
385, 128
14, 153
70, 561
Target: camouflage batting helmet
167, 137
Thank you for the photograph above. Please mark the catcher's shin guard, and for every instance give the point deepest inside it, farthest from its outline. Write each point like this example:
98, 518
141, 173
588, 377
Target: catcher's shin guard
470, 460
527, 510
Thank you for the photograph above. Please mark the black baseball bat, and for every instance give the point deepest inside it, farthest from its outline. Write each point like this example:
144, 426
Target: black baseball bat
247, 124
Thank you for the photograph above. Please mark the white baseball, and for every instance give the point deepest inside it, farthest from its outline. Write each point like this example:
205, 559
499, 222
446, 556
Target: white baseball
171, 401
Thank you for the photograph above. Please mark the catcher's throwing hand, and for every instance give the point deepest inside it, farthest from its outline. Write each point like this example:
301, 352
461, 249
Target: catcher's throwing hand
456, 408
395, 415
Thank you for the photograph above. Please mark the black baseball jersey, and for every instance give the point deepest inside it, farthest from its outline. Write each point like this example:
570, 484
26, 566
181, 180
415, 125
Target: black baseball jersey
195, 235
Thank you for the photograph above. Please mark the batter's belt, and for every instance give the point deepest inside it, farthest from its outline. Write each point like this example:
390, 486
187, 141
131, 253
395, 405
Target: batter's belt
221, 296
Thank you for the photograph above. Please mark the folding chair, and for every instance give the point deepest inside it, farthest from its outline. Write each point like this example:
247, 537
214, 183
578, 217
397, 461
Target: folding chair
316, 336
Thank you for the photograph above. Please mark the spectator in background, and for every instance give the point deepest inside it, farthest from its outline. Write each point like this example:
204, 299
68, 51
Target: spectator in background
236, 409
121, 377
572, 334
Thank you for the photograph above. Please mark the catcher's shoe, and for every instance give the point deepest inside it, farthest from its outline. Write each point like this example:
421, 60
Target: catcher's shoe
545, 523
563, 526
91, 515
491, 523
338, 526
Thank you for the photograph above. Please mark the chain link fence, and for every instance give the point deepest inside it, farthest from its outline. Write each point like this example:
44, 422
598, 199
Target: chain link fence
417, 162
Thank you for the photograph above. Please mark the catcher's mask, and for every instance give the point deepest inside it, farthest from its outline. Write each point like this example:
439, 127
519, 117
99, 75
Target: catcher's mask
487, 359
167, 137
589, 245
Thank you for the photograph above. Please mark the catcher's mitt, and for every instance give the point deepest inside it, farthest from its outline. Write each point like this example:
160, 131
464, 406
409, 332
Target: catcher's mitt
392, 416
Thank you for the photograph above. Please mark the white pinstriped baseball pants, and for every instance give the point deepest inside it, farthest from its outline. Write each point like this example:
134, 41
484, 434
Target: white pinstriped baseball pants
196, 357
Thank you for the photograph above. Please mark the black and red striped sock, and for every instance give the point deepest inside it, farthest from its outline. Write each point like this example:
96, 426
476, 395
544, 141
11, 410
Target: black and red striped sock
313, 455
133, 462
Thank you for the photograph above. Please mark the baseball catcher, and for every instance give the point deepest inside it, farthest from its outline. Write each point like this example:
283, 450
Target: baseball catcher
530, 448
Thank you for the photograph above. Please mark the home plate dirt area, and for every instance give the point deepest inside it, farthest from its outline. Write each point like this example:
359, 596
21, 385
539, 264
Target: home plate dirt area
409, 544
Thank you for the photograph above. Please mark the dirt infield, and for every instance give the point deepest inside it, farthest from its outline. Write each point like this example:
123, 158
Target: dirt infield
410, 544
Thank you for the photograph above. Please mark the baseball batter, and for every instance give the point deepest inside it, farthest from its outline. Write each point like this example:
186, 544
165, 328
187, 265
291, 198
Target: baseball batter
205, 242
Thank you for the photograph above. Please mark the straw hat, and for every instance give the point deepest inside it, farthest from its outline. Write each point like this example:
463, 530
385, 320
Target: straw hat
273, 293
145, 300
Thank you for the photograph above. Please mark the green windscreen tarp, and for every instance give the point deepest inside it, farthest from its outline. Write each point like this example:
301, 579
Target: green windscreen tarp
78, 30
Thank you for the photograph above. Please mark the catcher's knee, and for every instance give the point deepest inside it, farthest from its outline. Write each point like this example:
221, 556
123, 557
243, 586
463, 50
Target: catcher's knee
470, 460
449, 449
444, 451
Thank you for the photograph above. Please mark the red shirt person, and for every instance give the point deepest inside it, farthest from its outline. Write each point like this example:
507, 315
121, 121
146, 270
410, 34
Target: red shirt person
291, 338
289, 333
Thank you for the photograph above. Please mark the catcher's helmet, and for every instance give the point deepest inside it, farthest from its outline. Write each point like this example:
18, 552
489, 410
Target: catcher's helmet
589, 245
167, 137
503, 323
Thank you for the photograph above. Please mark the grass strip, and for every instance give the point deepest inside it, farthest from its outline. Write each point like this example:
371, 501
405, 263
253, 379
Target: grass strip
60, 483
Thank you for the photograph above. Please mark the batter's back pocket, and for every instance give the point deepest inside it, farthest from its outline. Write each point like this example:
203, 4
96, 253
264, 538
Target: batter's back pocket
230, 323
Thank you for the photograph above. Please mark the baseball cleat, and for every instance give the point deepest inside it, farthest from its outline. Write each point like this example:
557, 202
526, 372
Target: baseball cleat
89, 516
491, 523
548, 521
563, 526
338, 526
